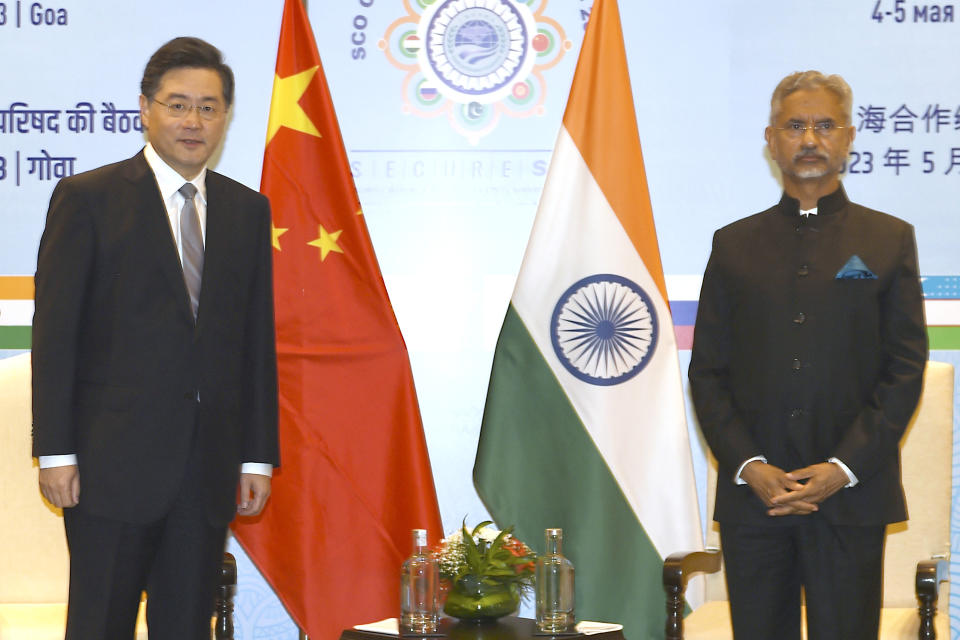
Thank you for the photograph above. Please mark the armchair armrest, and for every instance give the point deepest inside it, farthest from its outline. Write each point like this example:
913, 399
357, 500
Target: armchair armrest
930, 573
677, 569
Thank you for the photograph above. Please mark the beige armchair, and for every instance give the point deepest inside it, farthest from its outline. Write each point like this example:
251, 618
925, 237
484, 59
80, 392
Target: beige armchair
916, 551
33, 551
34, 564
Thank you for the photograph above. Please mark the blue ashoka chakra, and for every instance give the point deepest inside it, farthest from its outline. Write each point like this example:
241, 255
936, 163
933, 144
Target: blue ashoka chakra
604, 329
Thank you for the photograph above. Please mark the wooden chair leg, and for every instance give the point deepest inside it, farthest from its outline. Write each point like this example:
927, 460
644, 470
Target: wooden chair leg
675, 603
223, 629
677, 569
929, 575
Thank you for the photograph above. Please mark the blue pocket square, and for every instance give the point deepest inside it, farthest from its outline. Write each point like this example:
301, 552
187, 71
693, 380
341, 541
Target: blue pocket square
855, 269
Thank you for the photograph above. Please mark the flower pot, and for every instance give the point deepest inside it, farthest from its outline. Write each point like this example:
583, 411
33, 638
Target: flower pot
477, 599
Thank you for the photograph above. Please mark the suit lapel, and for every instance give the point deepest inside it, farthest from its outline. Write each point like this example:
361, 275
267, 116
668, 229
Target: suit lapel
157, 227
215, 252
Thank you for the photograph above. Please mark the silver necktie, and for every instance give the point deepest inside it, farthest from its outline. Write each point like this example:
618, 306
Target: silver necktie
192, 238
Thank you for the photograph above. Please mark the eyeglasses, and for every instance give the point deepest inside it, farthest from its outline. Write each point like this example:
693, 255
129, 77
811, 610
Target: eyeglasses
180, 110
823, 129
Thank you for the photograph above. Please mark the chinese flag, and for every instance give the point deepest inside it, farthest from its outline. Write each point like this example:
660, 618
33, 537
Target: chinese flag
355, 476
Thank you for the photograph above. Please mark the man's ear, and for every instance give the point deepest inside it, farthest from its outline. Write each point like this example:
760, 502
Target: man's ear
144, 111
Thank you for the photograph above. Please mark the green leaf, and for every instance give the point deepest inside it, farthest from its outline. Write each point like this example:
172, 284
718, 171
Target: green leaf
477, 528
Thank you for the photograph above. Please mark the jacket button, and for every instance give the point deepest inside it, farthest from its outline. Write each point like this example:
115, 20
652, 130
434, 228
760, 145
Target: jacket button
796, 364
803, 270
800, 318
796, 413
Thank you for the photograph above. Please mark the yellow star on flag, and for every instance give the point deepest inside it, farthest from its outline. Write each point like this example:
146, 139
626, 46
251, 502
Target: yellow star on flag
285, 109
327, 242
276, 232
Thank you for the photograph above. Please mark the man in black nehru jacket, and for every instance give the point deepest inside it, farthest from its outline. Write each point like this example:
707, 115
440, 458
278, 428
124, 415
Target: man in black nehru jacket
807, 364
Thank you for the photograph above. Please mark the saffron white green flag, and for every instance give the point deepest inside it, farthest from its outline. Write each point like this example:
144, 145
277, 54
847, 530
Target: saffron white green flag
584, 426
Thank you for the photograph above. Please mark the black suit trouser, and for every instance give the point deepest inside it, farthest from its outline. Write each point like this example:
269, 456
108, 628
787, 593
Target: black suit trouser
839, 568
175, 560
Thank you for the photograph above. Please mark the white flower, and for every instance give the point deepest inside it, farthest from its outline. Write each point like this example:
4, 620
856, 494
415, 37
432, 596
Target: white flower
488, 533
455, 537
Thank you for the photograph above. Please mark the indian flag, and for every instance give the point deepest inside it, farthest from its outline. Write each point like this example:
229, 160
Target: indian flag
16, 312
584, 426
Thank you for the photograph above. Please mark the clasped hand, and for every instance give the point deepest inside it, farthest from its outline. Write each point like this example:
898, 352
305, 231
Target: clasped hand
798, 492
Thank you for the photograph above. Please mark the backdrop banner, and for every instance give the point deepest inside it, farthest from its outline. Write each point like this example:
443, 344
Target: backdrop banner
449, 113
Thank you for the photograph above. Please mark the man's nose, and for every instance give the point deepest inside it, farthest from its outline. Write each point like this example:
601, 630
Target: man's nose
193, 119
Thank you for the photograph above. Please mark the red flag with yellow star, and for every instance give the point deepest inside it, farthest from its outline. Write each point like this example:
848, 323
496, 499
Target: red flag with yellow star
355, 476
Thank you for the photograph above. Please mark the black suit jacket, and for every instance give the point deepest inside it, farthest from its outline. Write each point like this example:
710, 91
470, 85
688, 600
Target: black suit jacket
118, 360
796, 364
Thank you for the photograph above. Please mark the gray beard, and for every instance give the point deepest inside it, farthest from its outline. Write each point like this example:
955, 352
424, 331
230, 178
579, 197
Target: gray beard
811, 172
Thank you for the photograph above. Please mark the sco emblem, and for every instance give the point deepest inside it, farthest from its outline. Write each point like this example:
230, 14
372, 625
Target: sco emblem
475, 50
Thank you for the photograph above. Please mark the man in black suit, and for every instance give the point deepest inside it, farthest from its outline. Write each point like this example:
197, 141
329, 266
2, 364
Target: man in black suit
154, 366
807, 364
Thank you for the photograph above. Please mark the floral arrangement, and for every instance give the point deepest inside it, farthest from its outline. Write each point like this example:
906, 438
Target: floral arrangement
487, 556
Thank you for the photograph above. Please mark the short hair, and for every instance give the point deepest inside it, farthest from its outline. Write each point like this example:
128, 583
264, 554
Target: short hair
190, 53
807, 80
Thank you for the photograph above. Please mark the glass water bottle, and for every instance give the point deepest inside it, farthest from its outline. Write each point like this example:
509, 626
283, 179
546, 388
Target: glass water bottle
419, 588
554, 586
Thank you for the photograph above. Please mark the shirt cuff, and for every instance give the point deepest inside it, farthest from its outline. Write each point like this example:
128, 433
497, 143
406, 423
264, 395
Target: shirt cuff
259, 468
736, 477
46, 462
850, 475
